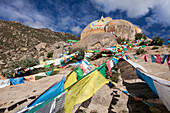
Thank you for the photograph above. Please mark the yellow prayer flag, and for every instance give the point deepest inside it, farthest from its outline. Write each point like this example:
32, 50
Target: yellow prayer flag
83, 90
71, 79
70, 58
56, 69
116, 58
90, 51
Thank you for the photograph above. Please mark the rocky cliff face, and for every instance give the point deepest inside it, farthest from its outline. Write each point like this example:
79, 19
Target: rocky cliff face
18, 41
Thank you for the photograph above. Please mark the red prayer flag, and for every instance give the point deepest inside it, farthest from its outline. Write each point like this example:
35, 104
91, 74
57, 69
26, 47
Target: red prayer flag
158, 59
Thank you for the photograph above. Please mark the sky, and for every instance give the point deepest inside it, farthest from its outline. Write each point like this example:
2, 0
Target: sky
152, 16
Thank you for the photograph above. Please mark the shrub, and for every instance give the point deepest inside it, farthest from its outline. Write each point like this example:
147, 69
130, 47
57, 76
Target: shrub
81, 54
140, 51
25, 63
115, 77
139, 36
50, 55
120, 40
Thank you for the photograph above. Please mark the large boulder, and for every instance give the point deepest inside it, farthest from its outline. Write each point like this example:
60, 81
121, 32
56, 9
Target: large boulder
95, 41
118, 28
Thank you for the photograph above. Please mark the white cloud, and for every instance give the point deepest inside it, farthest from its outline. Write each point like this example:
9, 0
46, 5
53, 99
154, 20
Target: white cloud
134, 8
76, 29
137, 8
57, 15
161, 13
25, 12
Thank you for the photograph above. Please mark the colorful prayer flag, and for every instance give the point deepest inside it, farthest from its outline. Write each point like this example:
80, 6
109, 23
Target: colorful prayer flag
83, 90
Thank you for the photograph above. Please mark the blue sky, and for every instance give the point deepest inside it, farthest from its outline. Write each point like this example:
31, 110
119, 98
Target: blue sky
152, 16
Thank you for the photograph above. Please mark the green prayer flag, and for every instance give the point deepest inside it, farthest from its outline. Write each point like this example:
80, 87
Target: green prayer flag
79, 73
47, 66
104, 55
96, 51
69, 40
49, 72
143, 46
102, 69
87, 59
125, 49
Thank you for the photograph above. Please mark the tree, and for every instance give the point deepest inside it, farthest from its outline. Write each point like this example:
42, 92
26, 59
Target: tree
138, 36
157, 41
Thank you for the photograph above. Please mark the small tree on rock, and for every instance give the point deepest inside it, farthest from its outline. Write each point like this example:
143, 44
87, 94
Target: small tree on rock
157, 41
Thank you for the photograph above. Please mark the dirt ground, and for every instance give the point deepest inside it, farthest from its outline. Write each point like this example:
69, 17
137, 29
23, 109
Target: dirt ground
13, 98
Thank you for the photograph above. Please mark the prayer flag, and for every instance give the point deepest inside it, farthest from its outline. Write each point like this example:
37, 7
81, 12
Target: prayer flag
166, 55
30, 78
15, 81
145, 58
54, 90
135, 57
70, 79
79, 73
49, 72
168, 60
153, 58
109, 67
158, 59
83, 90
4, 83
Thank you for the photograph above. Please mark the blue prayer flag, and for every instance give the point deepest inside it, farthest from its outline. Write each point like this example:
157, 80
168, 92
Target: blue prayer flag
15, 81
153, 58
166, 55
54, 90
135, 57
148, 81
114, 60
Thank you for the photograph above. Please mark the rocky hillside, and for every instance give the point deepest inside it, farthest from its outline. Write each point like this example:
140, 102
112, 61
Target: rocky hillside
18, 41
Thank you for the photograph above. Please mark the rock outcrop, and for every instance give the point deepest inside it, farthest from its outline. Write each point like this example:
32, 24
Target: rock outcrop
95, 41
103, 33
